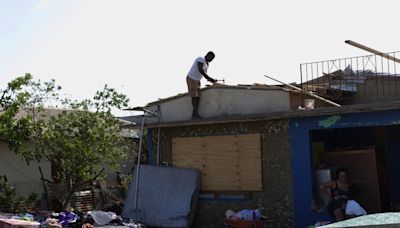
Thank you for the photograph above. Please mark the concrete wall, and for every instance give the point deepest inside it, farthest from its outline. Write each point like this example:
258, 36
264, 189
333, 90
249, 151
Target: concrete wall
376, 90
277, 195
386, 86
26, 178
217, 102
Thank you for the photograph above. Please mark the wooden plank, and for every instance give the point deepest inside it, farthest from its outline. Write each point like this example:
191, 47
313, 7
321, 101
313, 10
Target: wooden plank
227, 162
250, 162
220, 165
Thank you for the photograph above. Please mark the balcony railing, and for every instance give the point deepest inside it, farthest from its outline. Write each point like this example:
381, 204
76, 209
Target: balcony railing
368, 76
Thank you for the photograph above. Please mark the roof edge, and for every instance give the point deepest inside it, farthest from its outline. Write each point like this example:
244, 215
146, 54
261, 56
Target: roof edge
371, 107
239, 87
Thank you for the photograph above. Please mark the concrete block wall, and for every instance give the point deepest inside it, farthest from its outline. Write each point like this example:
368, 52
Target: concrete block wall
276, 197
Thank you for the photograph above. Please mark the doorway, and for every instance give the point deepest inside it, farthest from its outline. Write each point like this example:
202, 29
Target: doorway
370, 154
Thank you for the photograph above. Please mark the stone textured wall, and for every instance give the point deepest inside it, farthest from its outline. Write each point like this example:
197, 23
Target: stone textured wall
276, 197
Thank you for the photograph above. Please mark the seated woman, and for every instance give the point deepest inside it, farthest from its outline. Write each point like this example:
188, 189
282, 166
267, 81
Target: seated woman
338, 191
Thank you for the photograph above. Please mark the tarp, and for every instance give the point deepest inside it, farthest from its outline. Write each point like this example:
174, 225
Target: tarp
167, 196
390, 219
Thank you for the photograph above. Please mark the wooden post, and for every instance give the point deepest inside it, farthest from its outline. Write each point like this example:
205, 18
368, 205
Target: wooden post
306, 92
376, 52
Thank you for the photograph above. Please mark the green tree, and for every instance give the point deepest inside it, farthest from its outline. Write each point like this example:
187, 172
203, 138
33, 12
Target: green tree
79, 141
12, 98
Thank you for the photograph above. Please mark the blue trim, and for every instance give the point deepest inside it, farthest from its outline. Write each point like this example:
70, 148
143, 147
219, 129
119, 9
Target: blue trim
150, 146
299, 129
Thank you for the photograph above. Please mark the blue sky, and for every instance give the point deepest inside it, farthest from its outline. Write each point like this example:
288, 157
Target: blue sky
22, 24
145, 48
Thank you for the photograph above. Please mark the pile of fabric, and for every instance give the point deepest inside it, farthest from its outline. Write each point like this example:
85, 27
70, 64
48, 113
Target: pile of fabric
43, 219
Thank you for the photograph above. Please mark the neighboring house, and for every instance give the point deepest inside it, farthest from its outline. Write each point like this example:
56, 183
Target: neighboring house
256, 150
25, 177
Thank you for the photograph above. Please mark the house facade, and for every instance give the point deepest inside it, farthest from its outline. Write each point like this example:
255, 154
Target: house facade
25, 177
271, 160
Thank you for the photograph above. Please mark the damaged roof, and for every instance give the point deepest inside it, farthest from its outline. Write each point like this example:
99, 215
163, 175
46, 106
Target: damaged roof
255, 86
369, 107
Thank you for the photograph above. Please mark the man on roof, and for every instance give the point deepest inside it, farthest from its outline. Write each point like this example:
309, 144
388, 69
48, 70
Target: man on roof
196, 73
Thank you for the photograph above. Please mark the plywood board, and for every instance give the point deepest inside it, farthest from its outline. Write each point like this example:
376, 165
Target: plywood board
227, 163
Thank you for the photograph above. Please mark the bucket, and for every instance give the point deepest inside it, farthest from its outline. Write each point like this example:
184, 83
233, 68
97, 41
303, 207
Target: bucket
309, 104
246, 223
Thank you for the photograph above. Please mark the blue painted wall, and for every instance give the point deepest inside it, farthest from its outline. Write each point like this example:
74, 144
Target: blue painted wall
301, 153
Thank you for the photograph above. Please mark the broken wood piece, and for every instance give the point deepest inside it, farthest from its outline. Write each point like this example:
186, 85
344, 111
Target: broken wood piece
306, 92
376, 52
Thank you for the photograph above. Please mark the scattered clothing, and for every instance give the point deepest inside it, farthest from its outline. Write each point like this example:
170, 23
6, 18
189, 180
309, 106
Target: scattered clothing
47, 219
51, 223
6, 216
133, 224
102, 218
27, 217
67, 218
87, 225
16, 223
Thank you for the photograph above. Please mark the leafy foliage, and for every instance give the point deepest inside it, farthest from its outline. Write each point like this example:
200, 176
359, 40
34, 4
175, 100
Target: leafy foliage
10, 202
79, 140
7, 195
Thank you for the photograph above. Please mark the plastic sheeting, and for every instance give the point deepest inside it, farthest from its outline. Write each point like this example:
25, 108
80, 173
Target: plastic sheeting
101, 217
167, 196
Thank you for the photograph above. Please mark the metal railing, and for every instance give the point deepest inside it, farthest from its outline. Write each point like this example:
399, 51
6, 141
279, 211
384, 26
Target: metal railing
355, 77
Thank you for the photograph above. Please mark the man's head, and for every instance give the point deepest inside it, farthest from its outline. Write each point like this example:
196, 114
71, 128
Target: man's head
210, 56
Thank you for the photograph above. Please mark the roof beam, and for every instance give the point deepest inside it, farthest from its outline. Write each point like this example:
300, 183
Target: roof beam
376, 52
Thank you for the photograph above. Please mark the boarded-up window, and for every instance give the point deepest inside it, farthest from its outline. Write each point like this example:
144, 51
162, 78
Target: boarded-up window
227, 163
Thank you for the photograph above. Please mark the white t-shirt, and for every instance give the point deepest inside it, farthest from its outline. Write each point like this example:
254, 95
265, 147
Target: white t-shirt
194, 72
354, 209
